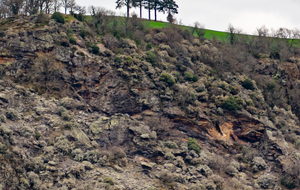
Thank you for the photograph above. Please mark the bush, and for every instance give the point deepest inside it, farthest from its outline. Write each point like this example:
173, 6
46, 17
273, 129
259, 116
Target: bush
37, 135
190, 77
72, 40
148, 46
231, 103
151, 57
248, 84
95, 49
64, 42
79, 17
70, 31
167, 78
2, 34
193, 145
118, 59
109, 180
41, 18
83, 33
58, 17
288, 182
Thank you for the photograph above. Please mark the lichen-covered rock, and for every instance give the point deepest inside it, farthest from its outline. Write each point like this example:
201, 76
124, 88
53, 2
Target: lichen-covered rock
12, 114
62, 145
266, 181
258, 164
231, 170
204, 169
34, 180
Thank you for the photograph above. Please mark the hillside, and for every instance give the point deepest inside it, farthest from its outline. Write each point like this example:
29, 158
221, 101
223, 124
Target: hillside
89, 105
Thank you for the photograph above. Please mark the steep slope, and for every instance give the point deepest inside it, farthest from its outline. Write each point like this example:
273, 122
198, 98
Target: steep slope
103, 113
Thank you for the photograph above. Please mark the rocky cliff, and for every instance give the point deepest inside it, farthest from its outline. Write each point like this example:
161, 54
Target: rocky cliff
108, 113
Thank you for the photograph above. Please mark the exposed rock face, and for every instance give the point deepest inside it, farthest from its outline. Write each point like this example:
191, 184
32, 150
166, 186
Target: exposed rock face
71, 118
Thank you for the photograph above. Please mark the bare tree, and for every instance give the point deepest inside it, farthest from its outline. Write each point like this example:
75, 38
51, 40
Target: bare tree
72, 6
65, 5
56, 5
48, 6
14, 6
80, 9
262, 31
199, 30
45, 71
233, 33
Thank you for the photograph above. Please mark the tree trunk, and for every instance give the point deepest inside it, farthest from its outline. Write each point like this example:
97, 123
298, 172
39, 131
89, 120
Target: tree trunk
128, 10
155, 13
149, 10
141, 7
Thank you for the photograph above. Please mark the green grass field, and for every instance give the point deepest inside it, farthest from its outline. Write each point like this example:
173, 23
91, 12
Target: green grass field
209, 34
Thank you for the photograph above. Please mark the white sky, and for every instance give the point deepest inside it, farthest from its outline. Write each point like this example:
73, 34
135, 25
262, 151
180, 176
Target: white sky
218, 14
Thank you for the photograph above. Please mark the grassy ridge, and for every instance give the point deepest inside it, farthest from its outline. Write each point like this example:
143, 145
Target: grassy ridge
209, 34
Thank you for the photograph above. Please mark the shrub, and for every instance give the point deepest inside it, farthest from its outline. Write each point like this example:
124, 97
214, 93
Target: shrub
288, 182
193, 145
69, 125
271, 86
37, 135
65, 116
172, 53
72, 40
64, 42
148, 46
79, 17
58, 17
248, 84
151, 57
297, 144
41, 18
167, 78
118, 59
70, 31
231, 103
2, 34
190, 77
95, 49
83, 33
109, 180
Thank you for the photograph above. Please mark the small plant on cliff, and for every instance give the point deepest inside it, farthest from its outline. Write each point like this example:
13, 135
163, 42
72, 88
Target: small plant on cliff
248, 84
188, 76
37, 135
95, 49
193, 145
151, 58
165, 77
231, 103
58, 17
83, 33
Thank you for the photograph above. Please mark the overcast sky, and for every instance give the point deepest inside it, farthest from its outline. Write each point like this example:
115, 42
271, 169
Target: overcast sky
218, 14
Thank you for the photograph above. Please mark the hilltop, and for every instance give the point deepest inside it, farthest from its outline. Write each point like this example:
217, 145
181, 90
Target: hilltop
106, 105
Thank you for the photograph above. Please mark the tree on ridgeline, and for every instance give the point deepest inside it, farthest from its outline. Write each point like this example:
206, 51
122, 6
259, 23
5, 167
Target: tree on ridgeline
170, 7
72, 6
56, 5
140, 4
148, 6
126, 3
65, 5
156, 6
